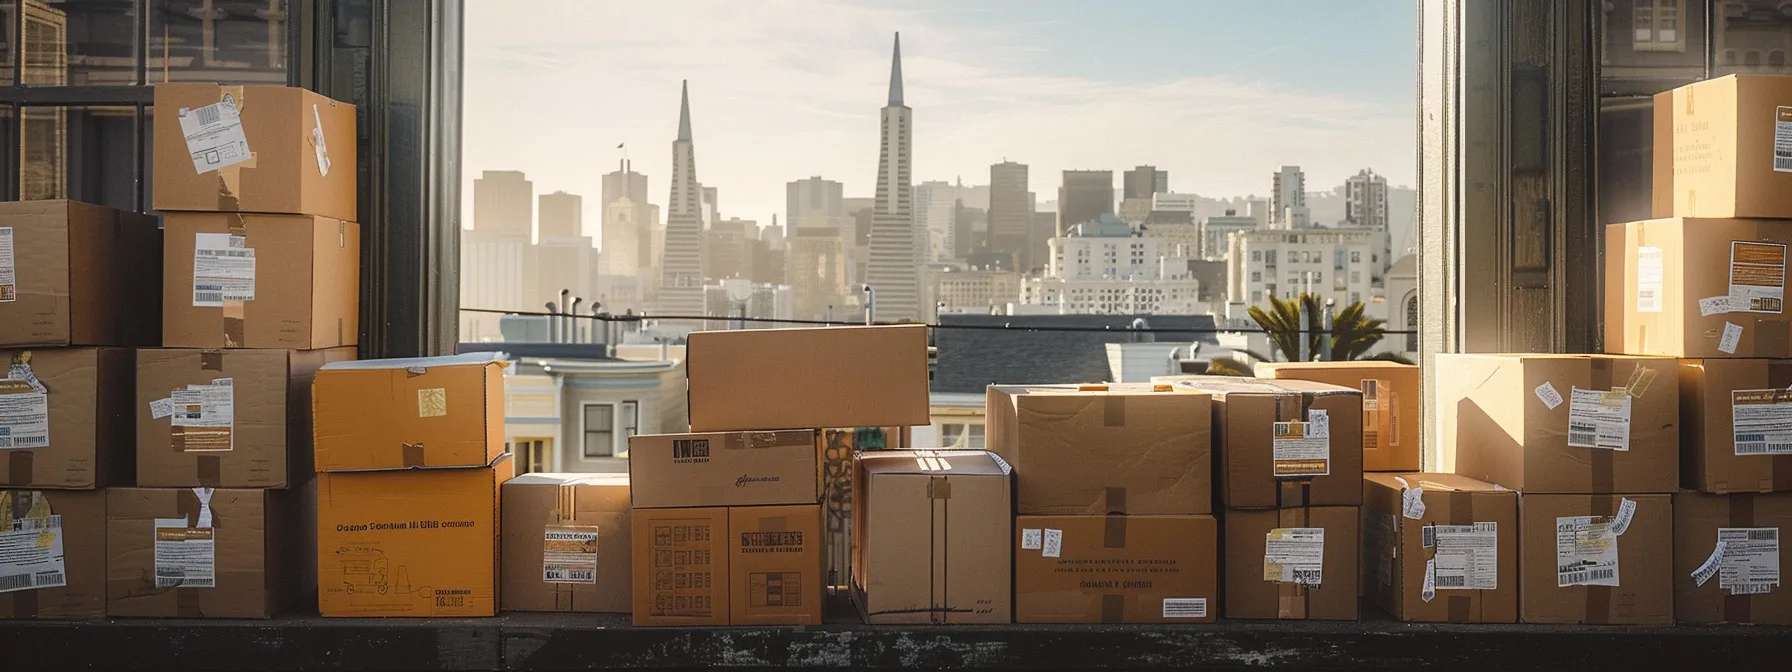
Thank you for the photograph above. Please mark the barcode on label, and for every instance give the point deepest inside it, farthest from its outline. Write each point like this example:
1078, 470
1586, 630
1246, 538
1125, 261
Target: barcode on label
1282, 428
1599, 574
14, 441
580, 575
1767, 534
1781, 161
208, 114
1580, 434
1572, 578
1762, 447
1306, 577
1452, 581
46, 579
20, 581
1371, 439
1185, 607
1428, 536
53, 522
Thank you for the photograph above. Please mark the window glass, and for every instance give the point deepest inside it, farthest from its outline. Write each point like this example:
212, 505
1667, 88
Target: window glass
600, 436
82, 153
79, 42
225, 41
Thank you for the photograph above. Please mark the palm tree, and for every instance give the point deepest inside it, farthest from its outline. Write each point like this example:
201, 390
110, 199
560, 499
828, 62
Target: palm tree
1353, 334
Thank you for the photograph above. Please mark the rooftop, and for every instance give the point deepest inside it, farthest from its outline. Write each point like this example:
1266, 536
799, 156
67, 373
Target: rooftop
973, 358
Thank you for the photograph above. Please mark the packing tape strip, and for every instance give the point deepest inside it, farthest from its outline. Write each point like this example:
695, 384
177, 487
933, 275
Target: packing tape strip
186, 603
1113, 410
412, 454
1459, 606
1771, 338
1779, 377
1114, 532
1113, 608
1292, 598
19, 467
1601, 465
211, 470
24, 604
1740, 608
1599, 598
1116, 499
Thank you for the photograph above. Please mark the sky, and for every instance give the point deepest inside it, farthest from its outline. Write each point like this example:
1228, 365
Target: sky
1218, 92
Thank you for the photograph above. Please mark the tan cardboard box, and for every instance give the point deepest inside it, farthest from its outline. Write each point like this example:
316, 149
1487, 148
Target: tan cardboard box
1728, 155
566, 543
1095, 449
52, 554
776, 571
1742, 583
724, 469
1457, 540
1267, 435
807, 378
1569, 572
1514, 420
1723, 400
1390, 390
1273, 555
1697, 288
253, 149
260, 281
1116, 569
931, 540
401, 413
680, 566
173, 553
78, 274
75, 433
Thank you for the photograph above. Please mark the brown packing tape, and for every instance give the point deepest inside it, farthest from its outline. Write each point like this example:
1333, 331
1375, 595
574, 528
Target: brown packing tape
1771, 338
1114, 532
1459, 606
1601, 459
1740, 608
1116, 499
211, 471
938, 487
1113, 608
1291, 598
565, 503
19, 467
211, 360
1599, 598
186, 603
412, 454
1113, 411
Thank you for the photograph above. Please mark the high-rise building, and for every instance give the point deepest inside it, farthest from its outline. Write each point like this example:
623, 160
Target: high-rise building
1085, 196
727, 252
1144, 181
818, 270
627, 230
1010, 212
893, 270
560, 215
935, 205
1105, 267
1288, 199
1216, 233
1336, 264
1039, 237
814, 202
859, 209
681, 271
504, 202
1366, 200
500, 246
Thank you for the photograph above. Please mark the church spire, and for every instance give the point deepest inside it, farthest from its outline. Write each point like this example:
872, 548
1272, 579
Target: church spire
896, 73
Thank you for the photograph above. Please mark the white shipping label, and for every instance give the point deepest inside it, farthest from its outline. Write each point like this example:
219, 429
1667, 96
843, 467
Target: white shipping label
1371, 394
1468, 556
24, 416
1586, 552
1714, 305
1302, 449
569, 554
1412, 502
1428, 592
9, 272
1547, 394
1751, 559
1599, 419
1761, 421
1030, 539
185, 557
1732, 335
223, 269
1709, 568
1648, 279
208, 415
1295, 555
1053, 544
161, 408
1185, 607
1782, 139
31, 555
1626, 511
1757, 277
317, 143
214, 135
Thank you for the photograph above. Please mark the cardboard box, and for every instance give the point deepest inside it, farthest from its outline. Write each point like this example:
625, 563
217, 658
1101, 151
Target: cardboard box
931, 540
681, 566
413, 542
1270, 454
402, 413
1457, 540
807, 378
253, 149
566, 543
1742, 584
1567, 539
1697, 288
75, 433
1723, 160
725, 469
78, 274
260, 281
775, 566
175, 554
253, 432
1095, 449
1302, 535
1711, 393
1116, 569
69, 571
1391, 396
1506, 419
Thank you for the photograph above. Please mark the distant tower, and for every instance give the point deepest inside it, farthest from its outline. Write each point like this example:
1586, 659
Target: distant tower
681, 288
893, 271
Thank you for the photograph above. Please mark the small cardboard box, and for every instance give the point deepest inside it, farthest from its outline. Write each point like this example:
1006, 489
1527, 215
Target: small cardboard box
75, 433
1665, 296
260, 281
1561, 424
253, 149
69, 571
411, 542
1741, 583
1566, 548
402, 413
1271, 454
566, 543
680, 566
176, 553
1457, 539
724, 469
1391, 437
931, 537
78, 274
1734, 431
808, 378
1728, 156
1116, 569
1096, 449
1274, 555
776, 572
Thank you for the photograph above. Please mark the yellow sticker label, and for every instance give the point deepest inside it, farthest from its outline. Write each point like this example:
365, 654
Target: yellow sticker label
432, 402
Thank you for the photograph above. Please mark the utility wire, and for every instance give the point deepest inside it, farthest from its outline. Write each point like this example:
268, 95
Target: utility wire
627, 317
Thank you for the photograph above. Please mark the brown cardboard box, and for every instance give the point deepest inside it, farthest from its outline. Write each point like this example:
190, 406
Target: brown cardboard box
292, 151
1722, 160
410, 542
87, 396
1116, 569
264, 439
401, 413
807, 378
302, 289
1496, 423
1250, 594
78, 274
1095, 449
680, 566
1247, 416
1468, 528
566, 543
775, 565
70, 571
1753, 523
724, 469
1644, 594
1697, 288
172, 555
1390, 405
1710, 390
930, 537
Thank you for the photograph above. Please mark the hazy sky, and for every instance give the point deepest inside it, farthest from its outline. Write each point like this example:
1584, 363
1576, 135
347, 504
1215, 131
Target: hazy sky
1218, 92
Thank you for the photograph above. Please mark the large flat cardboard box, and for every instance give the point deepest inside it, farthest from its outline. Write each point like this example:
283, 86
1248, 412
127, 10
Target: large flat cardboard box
1697, 288
74, 433
931, 537
1116, 569
253, 149
78, 274
1741, 583
1284, 443
725, 469
1296, 563
260, 281
1446, 554
1391, 439
1731, 151
403, 413
807, 378
680, 566
411, 542
776, 572
566, 543
1736, 425
52, 554
1575, 568
226, 418
1096, 449
200, 552
1561, 423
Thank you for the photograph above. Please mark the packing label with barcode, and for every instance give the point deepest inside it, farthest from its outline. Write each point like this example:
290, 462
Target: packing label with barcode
1586, 552
1782, 139
569, 554
24, 415
1185, 607
9, 270
1761, 422
1467, 556
185, 557
223, 269
31, 553
214, 135
1302, 449
1757, 277
1648, 279
317, 143
1751, 559
1599, 419
204, 416
1295, 555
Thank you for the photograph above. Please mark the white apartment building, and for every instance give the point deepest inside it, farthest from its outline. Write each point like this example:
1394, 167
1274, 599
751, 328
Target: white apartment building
1175, 202
1288, 199
935, 204
1216, 233
739, 297
1343, 265
1105, 268
970, 290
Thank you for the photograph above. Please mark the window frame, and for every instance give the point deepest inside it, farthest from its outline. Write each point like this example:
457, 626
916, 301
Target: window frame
1650, 38
585, 430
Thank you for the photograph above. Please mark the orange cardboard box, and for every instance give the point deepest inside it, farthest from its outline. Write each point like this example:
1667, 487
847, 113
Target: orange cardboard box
1728, 155
401, 413
253, 149
260, 281
78, 274
775, 565
1390, 405
681, 566
64, 578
